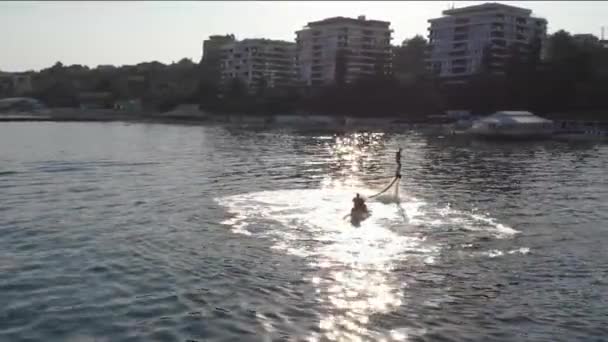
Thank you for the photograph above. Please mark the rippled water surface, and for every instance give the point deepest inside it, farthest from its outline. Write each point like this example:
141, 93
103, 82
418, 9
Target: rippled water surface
133, 232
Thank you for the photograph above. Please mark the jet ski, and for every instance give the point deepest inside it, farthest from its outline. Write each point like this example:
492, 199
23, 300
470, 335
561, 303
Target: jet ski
358, 216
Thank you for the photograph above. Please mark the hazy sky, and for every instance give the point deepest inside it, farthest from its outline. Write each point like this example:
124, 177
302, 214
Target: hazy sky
35, 35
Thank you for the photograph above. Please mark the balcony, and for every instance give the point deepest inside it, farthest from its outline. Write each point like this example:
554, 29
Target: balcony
461, 37
499, 42
458, 53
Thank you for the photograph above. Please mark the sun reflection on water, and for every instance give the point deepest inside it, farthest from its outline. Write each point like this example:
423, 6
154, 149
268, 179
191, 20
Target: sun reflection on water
354, 268
353, 278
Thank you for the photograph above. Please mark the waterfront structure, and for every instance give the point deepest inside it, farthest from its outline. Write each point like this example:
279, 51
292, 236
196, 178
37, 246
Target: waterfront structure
465, 40
342, 50
14, 105
586, 39
258, 63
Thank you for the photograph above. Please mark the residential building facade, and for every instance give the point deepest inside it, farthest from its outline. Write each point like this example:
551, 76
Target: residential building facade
342, 47
15, 84
586, 39
467, 39
258, 62
212, 47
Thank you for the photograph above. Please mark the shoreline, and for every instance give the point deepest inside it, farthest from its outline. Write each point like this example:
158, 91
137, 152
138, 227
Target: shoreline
200, 117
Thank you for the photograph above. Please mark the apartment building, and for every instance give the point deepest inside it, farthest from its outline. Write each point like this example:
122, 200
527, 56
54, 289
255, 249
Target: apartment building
211, 72
459, 38
353, 47
587, 39
212, 47
259, 62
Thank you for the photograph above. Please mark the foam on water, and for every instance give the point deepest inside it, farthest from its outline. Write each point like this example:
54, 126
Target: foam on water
354, 266
353, 277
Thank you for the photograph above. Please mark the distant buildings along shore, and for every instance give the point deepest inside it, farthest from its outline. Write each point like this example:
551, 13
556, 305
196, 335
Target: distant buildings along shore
340, 49
358, 47
464, 38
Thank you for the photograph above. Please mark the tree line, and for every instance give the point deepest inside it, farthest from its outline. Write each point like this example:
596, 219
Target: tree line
562, 75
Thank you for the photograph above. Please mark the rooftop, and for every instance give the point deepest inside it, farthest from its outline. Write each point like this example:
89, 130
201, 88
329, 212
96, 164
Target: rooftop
266, 41
487, 7
345, 20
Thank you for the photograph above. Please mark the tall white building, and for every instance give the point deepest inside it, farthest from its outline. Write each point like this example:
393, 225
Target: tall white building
458, 39
258, 61
365, 47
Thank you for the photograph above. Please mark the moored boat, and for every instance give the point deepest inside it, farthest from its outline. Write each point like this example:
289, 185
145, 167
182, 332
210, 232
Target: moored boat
512, 124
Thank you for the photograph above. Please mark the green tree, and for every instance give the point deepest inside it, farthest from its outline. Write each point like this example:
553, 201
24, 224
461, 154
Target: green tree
561, 47
409, 59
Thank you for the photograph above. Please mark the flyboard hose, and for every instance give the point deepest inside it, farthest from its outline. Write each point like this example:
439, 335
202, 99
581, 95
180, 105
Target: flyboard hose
397, 175
396, 178
385, 189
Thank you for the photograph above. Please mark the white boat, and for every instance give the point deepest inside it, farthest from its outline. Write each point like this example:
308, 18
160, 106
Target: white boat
512, 124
